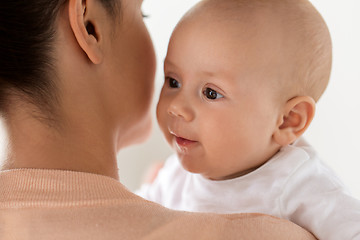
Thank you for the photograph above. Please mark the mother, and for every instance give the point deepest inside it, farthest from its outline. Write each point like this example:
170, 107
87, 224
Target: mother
76, 81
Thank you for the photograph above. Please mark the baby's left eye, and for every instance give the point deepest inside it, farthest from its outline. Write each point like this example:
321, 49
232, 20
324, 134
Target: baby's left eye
212, 94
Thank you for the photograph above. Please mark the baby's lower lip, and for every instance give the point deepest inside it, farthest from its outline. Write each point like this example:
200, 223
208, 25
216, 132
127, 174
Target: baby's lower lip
184, 142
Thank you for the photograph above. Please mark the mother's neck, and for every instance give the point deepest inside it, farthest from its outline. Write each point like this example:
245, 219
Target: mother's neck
77, 145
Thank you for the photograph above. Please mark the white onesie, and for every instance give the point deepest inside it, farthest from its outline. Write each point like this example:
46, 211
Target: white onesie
294, 185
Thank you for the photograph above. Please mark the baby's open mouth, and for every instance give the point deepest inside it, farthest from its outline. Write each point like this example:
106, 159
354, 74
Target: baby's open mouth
183, 141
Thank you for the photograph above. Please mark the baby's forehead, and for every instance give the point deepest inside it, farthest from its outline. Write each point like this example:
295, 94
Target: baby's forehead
229, 27
245, 29
242, 20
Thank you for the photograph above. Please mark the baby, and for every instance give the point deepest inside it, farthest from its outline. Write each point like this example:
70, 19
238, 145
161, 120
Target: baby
241, 81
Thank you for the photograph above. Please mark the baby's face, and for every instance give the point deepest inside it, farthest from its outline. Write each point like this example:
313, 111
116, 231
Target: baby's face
218, 106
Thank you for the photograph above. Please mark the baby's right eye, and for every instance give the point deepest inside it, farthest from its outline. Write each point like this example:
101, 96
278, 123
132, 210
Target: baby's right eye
173, 83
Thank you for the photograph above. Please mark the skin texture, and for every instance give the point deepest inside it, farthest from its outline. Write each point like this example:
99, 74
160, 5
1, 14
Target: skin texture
105, 86
233, 94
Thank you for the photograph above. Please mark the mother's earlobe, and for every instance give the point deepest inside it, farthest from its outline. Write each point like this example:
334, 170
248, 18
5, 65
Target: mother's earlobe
294, 120
83, 22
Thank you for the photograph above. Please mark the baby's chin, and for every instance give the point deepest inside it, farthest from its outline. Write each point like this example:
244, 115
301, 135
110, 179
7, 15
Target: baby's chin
192, 168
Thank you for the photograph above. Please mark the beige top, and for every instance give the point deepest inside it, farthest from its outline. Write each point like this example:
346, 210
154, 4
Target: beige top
55, 204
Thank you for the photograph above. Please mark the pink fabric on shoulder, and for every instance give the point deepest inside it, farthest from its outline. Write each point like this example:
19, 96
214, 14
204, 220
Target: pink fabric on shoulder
56, 204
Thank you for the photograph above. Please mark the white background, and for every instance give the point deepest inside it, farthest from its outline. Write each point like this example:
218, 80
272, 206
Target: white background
335, 130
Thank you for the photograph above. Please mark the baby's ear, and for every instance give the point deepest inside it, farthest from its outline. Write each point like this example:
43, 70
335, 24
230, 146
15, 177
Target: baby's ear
295, 118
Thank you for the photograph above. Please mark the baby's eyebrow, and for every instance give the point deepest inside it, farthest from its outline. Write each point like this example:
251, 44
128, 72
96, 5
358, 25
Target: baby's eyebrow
208, 73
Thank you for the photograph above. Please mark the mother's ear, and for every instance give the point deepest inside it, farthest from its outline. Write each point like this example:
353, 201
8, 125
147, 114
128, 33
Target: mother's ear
83, 17
294, 119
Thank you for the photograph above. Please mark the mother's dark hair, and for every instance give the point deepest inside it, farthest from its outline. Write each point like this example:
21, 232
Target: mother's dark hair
27, 34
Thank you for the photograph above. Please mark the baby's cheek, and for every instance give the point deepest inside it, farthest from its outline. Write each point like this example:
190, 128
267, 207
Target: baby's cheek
161, 119
160, 114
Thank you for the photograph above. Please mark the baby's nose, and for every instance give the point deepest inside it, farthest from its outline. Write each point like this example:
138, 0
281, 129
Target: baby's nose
180, 107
